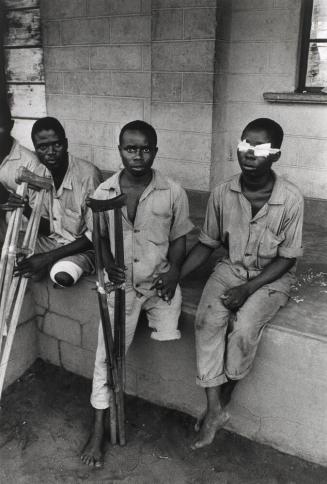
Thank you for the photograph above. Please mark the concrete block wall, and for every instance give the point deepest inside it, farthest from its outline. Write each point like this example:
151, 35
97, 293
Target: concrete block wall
97, 69
109, 62
259, 54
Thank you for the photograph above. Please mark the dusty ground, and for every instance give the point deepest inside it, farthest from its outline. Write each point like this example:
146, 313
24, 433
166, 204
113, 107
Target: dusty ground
45, 419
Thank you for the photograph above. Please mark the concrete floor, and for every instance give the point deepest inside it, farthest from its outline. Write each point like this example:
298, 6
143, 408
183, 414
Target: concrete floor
45, 419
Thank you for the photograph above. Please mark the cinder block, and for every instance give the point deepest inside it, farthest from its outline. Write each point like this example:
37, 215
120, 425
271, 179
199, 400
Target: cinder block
146, 57
191, 175
137, 84
23, 353
288, 5
282, 57
90, 335
146, 6
166, 86
309, 151
96, 134
107, 159
252, 5
167, 24
200, 23
51, 33
116, 110
113, 7
182, 3
53, 83
275, 25
85, 307
251, 87
182, 117
183, 145
85, 31
66, 58
63, 9
81, 151
98, 83
28, 309
48, 349
40, 293
311, 182
197, 87
77, 360
248, 57
183, 56
62, 328
69, 107
121, 57
130, 29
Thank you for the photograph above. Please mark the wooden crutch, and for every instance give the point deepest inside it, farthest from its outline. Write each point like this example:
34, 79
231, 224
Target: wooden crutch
115, 347
18, 284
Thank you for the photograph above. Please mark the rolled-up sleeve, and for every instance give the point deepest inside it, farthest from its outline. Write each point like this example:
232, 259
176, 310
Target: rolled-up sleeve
99, 194
181, 224
291, 247
210, 233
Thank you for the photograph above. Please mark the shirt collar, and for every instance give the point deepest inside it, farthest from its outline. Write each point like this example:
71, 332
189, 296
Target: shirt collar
277, 196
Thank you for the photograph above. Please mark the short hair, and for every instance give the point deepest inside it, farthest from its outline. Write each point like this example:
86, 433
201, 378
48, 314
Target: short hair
273, 129
47, 123
143, 127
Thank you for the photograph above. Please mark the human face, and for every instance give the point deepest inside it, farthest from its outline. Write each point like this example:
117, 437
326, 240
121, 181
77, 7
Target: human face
50, 149
252, 164
136, 153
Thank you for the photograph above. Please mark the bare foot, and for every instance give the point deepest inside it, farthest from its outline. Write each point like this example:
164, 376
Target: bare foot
92, 453
212, 422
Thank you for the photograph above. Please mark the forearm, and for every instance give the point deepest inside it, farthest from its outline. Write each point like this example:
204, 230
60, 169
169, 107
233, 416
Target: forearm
79, 245
270, 273
176, 253
198, 255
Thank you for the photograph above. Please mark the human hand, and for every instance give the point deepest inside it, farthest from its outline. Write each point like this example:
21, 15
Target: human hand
235, 297
14, 201
166, 283
115, 273
29, 266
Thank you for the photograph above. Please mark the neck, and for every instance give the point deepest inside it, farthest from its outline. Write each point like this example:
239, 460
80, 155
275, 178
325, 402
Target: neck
255, 184
59, 174
6, 148
130, 179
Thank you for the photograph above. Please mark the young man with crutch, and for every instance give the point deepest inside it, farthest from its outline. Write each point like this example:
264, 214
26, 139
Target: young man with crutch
62, 247
155, 224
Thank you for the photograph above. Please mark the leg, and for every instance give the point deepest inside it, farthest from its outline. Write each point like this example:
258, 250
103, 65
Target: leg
92, 454
247, 329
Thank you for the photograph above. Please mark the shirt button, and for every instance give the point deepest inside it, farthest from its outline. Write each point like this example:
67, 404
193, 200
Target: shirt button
247, 254
136, 260
136, 231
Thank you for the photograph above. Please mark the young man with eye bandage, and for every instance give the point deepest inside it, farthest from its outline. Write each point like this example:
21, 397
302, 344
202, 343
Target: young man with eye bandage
257, 216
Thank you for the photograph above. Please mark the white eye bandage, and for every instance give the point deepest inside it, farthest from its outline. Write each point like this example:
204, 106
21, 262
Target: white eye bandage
264, 149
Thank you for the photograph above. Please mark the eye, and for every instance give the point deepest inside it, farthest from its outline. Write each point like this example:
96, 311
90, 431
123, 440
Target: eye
42, 147
130, 149
57, 145
146, 150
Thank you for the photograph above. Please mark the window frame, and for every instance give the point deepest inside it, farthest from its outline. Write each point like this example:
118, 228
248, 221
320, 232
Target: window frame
305, 40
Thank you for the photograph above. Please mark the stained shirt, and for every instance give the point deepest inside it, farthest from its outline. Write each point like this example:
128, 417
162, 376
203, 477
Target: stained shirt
18, 156
253, 242
162, 216
65, 208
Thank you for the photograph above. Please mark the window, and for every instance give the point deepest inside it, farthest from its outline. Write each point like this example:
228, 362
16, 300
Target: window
313, 50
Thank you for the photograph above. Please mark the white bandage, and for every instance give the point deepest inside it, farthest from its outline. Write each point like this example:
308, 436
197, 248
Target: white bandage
70, 268
264, 149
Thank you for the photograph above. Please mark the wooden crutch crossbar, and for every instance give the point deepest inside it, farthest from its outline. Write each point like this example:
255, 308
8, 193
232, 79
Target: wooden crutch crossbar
13, 290
115, 347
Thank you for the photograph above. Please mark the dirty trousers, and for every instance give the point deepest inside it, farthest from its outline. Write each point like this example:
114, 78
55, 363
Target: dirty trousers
226, 343
162, 318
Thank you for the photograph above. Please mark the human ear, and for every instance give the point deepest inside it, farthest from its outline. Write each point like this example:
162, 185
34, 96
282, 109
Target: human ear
275, 157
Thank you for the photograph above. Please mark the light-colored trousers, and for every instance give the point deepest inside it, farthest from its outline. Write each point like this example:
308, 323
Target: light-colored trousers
163, 319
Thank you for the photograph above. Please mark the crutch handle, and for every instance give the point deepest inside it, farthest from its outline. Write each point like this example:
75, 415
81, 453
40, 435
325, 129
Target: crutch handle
108, 204
35, 182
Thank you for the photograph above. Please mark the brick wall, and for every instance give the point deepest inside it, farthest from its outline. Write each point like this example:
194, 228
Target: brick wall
259, 54
109, 62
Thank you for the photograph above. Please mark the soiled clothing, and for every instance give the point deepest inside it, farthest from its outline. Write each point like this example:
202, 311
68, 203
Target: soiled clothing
18, 156
65, 208
253, 242
162, 216
162, 318
226, 342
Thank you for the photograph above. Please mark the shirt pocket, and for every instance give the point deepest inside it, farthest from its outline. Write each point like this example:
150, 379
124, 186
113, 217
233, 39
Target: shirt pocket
268, 246
71, 221
159, 228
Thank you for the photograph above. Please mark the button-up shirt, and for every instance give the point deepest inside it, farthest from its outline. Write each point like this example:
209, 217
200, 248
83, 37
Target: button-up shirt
254, 242
162, 216
65, 207
18, 156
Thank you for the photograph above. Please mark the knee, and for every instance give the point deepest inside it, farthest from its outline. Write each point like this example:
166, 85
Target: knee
63, 279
